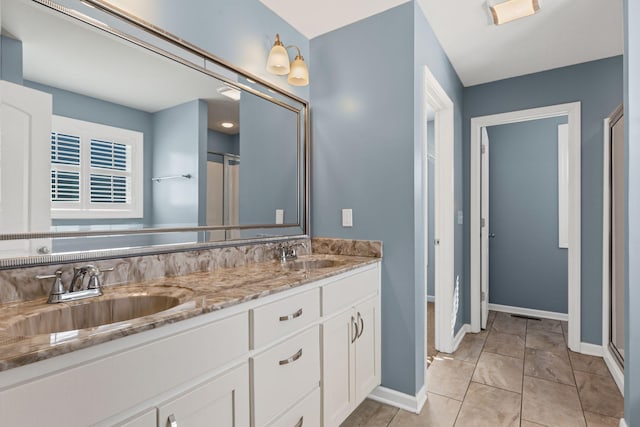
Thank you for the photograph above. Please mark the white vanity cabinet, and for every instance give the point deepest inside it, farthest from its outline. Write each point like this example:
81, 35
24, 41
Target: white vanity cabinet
350, 344
304, 357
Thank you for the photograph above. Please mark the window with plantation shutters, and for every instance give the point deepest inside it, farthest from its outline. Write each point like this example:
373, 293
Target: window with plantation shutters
96, 170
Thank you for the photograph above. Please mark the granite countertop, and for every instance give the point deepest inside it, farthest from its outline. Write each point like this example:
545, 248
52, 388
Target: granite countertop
195, 294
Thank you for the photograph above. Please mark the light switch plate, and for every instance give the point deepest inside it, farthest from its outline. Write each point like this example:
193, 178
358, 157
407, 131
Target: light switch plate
279, 216
347, 218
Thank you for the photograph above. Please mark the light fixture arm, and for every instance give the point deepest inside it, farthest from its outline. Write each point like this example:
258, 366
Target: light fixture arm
297, 49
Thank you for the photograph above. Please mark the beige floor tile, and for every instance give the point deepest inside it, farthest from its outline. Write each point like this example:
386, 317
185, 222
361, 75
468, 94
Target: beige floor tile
544, 325
597, 420
591, 364
449, 377
507, 324
548, 341
469, 349
499, 371
491, 317
370, 414
439, 411
505, 344
547, 365
490, 407
599, 394
551, 404
525, 423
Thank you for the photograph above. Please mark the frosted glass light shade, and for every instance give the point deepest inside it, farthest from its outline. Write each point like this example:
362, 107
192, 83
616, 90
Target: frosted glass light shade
299, 74
510, 10
278, 61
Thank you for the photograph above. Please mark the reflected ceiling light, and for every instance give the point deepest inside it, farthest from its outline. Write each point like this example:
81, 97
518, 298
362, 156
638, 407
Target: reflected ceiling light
278, 64
230, 92
510, 10
227, 125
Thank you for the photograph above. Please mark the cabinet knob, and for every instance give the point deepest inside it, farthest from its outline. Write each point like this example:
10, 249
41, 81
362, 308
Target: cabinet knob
171, 421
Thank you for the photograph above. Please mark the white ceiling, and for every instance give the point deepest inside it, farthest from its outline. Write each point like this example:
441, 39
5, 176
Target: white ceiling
563, 32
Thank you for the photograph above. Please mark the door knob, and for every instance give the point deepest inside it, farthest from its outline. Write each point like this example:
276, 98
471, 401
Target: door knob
492, 235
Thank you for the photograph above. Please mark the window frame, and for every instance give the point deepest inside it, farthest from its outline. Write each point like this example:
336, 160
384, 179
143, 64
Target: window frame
85, 209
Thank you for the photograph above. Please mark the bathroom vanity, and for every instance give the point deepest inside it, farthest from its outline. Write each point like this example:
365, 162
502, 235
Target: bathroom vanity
265, 344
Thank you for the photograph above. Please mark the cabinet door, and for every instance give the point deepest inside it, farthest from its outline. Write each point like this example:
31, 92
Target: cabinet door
367, 353
338, 335
220, 402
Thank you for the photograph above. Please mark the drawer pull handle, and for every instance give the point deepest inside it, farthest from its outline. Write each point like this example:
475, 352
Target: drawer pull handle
300, 422
354, 335
361, 320
171, 420
291, 316
292, 359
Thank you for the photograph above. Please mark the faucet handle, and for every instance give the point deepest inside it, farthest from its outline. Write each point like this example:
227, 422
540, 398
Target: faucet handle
94, 277
57, 288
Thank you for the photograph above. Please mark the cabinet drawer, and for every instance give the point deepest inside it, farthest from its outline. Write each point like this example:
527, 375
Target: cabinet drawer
343, 293
283, 317
284, 373
306, 413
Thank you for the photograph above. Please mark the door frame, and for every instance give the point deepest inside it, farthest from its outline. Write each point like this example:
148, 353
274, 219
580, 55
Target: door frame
444, 227
572, 111
614, 368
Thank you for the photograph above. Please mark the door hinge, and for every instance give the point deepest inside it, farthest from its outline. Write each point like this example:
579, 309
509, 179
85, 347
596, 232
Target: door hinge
483, 296
483, 149
482, 222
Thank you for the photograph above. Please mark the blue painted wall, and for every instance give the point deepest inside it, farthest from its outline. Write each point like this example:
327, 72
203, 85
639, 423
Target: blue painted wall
240, 31
179, 148
632, 255
222, 143
526, 266
368, 130
11, 60
598, 86
268, 162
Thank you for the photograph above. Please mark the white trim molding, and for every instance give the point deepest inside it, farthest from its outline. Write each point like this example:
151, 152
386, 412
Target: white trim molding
400, 400
591, 349
614, 368
572, 110
623, 423
529, 312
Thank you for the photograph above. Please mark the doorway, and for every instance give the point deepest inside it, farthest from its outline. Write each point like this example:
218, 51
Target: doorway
613, 246
480, 215
438, 210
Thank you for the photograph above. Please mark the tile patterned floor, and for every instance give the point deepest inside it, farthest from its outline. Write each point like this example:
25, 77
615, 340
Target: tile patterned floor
516, 373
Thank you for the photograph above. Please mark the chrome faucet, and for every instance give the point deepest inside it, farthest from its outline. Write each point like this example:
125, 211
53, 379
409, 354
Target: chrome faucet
76, 291
286, 252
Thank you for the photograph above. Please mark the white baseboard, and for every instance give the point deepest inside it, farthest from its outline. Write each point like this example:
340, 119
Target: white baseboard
460, 335
591, 349
431, 298
529, 312
623, 423
616, 372
400, 400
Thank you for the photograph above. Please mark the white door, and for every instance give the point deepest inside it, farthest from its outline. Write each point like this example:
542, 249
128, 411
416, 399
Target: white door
484, 229
25, 167
365, 366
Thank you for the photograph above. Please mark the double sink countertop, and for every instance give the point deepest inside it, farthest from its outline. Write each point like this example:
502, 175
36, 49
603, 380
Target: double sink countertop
192, 295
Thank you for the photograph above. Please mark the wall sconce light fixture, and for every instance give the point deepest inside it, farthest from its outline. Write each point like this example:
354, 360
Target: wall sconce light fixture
510, 10
278, 63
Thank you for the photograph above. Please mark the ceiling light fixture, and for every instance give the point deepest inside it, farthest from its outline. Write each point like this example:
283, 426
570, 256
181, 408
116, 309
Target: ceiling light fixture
227, 125
230, 92
278, 64
510, 10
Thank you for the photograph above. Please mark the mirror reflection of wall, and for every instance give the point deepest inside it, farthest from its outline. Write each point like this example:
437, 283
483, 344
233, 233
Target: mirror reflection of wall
131, 137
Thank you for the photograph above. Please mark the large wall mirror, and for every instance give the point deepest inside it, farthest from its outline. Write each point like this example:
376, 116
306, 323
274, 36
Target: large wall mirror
119, 138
